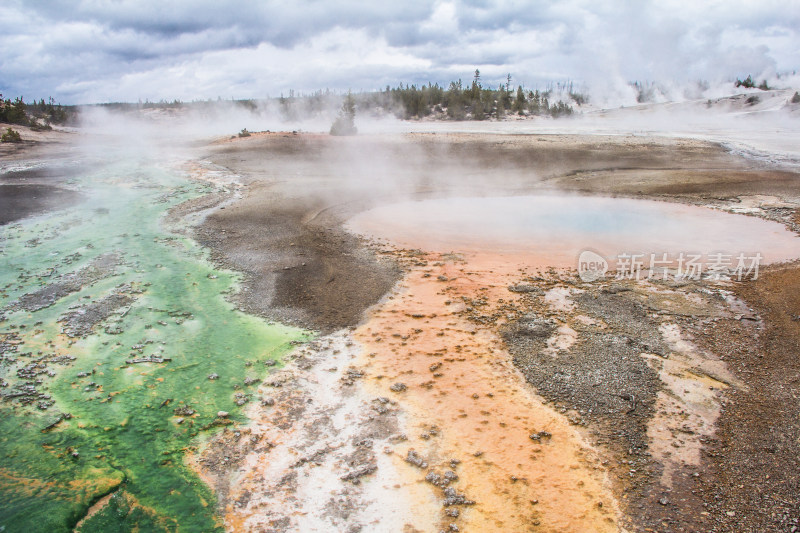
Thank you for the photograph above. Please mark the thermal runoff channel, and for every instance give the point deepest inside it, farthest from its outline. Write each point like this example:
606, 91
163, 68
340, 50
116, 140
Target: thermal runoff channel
119, 354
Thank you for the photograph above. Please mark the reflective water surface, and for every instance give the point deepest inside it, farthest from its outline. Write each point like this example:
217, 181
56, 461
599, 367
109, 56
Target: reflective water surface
554, 229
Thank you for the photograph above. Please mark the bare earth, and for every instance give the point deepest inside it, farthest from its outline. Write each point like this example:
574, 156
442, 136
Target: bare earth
480, 392
30, 189
553, 406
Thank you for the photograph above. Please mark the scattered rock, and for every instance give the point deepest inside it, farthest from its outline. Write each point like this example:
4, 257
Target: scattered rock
539, 435
533, 325
350, 376
415, 459
453, 497
525, 288
148, 359
442, 481
57, 421
360, 472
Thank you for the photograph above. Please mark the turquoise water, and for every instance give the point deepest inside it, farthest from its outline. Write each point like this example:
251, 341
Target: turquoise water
123, 436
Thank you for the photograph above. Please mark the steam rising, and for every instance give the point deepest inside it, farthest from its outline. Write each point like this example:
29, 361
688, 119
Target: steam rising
129, 51
554, 229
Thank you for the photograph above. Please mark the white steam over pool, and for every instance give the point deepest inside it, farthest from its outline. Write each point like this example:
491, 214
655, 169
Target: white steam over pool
556, 228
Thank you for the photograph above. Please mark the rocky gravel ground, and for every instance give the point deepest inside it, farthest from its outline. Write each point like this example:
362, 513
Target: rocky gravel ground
318, 454
689, 389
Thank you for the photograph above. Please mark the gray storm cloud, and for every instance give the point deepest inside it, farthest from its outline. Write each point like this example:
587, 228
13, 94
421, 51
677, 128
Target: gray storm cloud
96, 51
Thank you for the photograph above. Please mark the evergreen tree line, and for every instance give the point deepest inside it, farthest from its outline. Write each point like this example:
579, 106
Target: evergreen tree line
473, 102
748, 83
456, 102
38, 115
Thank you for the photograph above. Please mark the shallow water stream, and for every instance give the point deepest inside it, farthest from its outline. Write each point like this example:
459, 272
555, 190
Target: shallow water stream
110, 326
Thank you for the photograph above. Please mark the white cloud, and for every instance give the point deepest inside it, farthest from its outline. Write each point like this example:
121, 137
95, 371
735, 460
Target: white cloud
101, 50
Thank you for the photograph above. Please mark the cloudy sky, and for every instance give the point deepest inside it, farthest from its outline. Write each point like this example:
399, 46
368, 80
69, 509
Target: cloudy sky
112, 50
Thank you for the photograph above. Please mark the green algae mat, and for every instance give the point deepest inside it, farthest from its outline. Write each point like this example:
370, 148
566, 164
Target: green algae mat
118, 350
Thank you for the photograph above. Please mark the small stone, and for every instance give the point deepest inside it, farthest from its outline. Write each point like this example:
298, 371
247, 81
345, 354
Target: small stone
398, 387
663, 501
212, 377
524, 288
539, 435
184, 411
414, 458
453, 497
222, 414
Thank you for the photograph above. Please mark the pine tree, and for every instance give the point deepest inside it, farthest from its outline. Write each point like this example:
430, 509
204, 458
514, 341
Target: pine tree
345, 122
454, 100
535, 103
519, 101
476, 86
505, 94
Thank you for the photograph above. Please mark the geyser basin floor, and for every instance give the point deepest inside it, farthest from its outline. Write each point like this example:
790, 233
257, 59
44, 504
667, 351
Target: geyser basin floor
325, 180
652, 401
469, 411
552, 230
85, 291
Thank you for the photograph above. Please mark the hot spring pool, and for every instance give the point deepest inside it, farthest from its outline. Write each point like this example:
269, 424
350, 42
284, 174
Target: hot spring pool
554, 229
